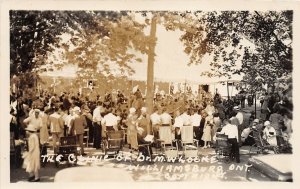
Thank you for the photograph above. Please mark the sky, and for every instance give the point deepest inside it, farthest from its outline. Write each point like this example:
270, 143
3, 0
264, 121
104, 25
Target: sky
171, 62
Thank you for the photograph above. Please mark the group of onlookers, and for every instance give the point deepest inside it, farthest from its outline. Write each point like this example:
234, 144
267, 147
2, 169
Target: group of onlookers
48, 116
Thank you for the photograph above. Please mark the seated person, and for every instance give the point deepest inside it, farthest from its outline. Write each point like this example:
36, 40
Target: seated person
247, 133
141, 134
269, 134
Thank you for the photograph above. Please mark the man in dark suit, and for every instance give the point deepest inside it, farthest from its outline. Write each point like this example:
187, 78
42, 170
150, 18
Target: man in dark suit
77, 127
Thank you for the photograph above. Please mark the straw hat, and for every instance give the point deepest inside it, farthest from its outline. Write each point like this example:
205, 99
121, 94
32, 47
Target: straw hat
256, 121
132, 110
76, 108
143, 109
267, 123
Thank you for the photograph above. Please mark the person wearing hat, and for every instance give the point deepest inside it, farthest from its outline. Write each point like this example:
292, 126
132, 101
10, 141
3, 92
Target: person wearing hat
247, 133
31, 162
269, 134
78, 123
34, 120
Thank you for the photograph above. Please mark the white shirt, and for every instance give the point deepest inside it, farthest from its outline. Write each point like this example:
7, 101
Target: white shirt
178, 122
110, 120
68, 120
210, 109
34, 122
155, 118
186, 119
166, 118
240, 117
97, 114
230, 130
195, 119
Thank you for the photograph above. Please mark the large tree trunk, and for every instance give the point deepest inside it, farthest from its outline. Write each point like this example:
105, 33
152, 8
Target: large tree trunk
150, 69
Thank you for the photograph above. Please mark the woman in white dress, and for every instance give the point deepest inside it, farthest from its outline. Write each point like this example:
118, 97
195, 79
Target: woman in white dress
207, 131
131, 123
32, 157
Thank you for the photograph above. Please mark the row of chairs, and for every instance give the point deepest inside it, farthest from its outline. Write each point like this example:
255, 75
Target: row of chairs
115, 141
171, 146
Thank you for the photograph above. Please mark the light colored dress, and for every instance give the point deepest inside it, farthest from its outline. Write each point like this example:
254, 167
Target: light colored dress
269, 134
32, 157
44, 133
206, 133
207, 129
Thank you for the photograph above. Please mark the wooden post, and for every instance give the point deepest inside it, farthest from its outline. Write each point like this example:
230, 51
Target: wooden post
150, 69
255, 104
227, 91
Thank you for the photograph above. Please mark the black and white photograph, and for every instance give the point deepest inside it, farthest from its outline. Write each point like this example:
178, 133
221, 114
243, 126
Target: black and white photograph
145, 95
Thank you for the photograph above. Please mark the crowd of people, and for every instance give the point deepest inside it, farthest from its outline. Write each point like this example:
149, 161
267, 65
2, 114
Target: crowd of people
51, 116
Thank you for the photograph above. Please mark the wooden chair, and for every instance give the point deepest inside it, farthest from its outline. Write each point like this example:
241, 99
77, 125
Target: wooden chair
168, 142
136, 147
86, 136
261, 145
114, 142
189, 144
13, 151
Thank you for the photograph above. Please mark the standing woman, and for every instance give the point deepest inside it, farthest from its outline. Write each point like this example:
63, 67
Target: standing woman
131, 123
206, 137
264, 108
32, 157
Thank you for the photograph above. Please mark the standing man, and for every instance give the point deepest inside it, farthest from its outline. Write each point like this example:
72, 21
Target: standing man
78, 123
195, 119
240, 117
178, 124
186, 118
110, 121
97, 118
166, 119
232, 132
155, 122
201, 126
68, 119
56, 123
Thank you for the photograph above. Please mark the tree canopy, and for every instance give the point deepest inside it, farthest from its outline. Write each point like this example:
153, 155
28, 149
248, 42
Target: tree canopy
261, 41
225, 34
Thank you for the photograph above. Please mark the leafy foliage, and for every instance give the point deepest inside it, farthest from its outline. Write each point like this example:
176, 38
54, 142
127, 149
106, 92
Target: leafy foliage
226, 35
261, 41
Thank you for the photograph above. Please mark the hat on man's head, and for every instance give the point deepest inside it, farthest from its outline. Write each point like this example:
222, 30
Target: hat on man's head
37, 111
31, 129
267, 123
132, 110
76, 108
236, 108
143, 109
256, 121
